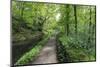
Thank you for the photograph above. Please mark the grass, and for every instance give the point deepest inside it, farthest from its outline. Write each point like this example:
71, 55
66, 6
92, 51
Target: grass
32, 54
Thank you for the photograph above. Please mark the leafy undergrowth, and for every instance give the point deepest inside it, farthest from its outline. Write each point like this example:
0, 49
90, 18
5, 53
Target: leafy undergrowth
20, 46
76, 49
32, 54
62, 55
24, 35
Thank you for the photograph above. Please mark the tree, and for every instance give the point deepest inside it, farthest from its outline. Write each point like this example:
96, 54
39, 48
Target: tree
75, 15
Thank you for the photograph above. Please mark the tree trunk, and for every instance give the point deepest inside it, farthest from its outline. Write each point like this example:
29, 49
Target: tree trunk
75, 15
67, 20
22, 10
67, 29
89, 39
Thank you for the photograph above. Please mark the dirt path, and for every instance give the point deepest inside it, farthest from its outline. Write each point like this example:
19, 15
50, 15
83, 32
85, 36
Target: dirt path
48, 53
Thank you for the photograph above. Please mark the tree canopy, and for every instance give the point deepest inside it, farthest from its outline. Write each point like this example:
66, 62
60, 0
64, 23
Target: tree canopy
74, 26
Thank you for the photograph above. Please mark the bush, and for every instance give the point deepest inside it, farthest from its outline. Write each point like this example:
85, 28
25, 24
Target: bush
78, 48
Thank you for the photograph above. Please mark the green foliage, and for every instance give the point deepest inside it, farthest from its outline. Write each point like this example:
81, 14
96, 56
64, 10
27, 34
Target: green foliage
78, 48
73, 25
27, 57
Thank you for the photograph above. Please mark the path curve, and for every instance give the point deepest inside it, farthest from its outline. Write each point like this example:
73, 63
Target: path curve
48, 53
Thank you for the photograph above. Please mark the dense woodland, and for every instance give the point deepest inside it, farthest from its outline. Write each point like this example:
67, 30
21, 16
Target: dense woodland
73, 26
